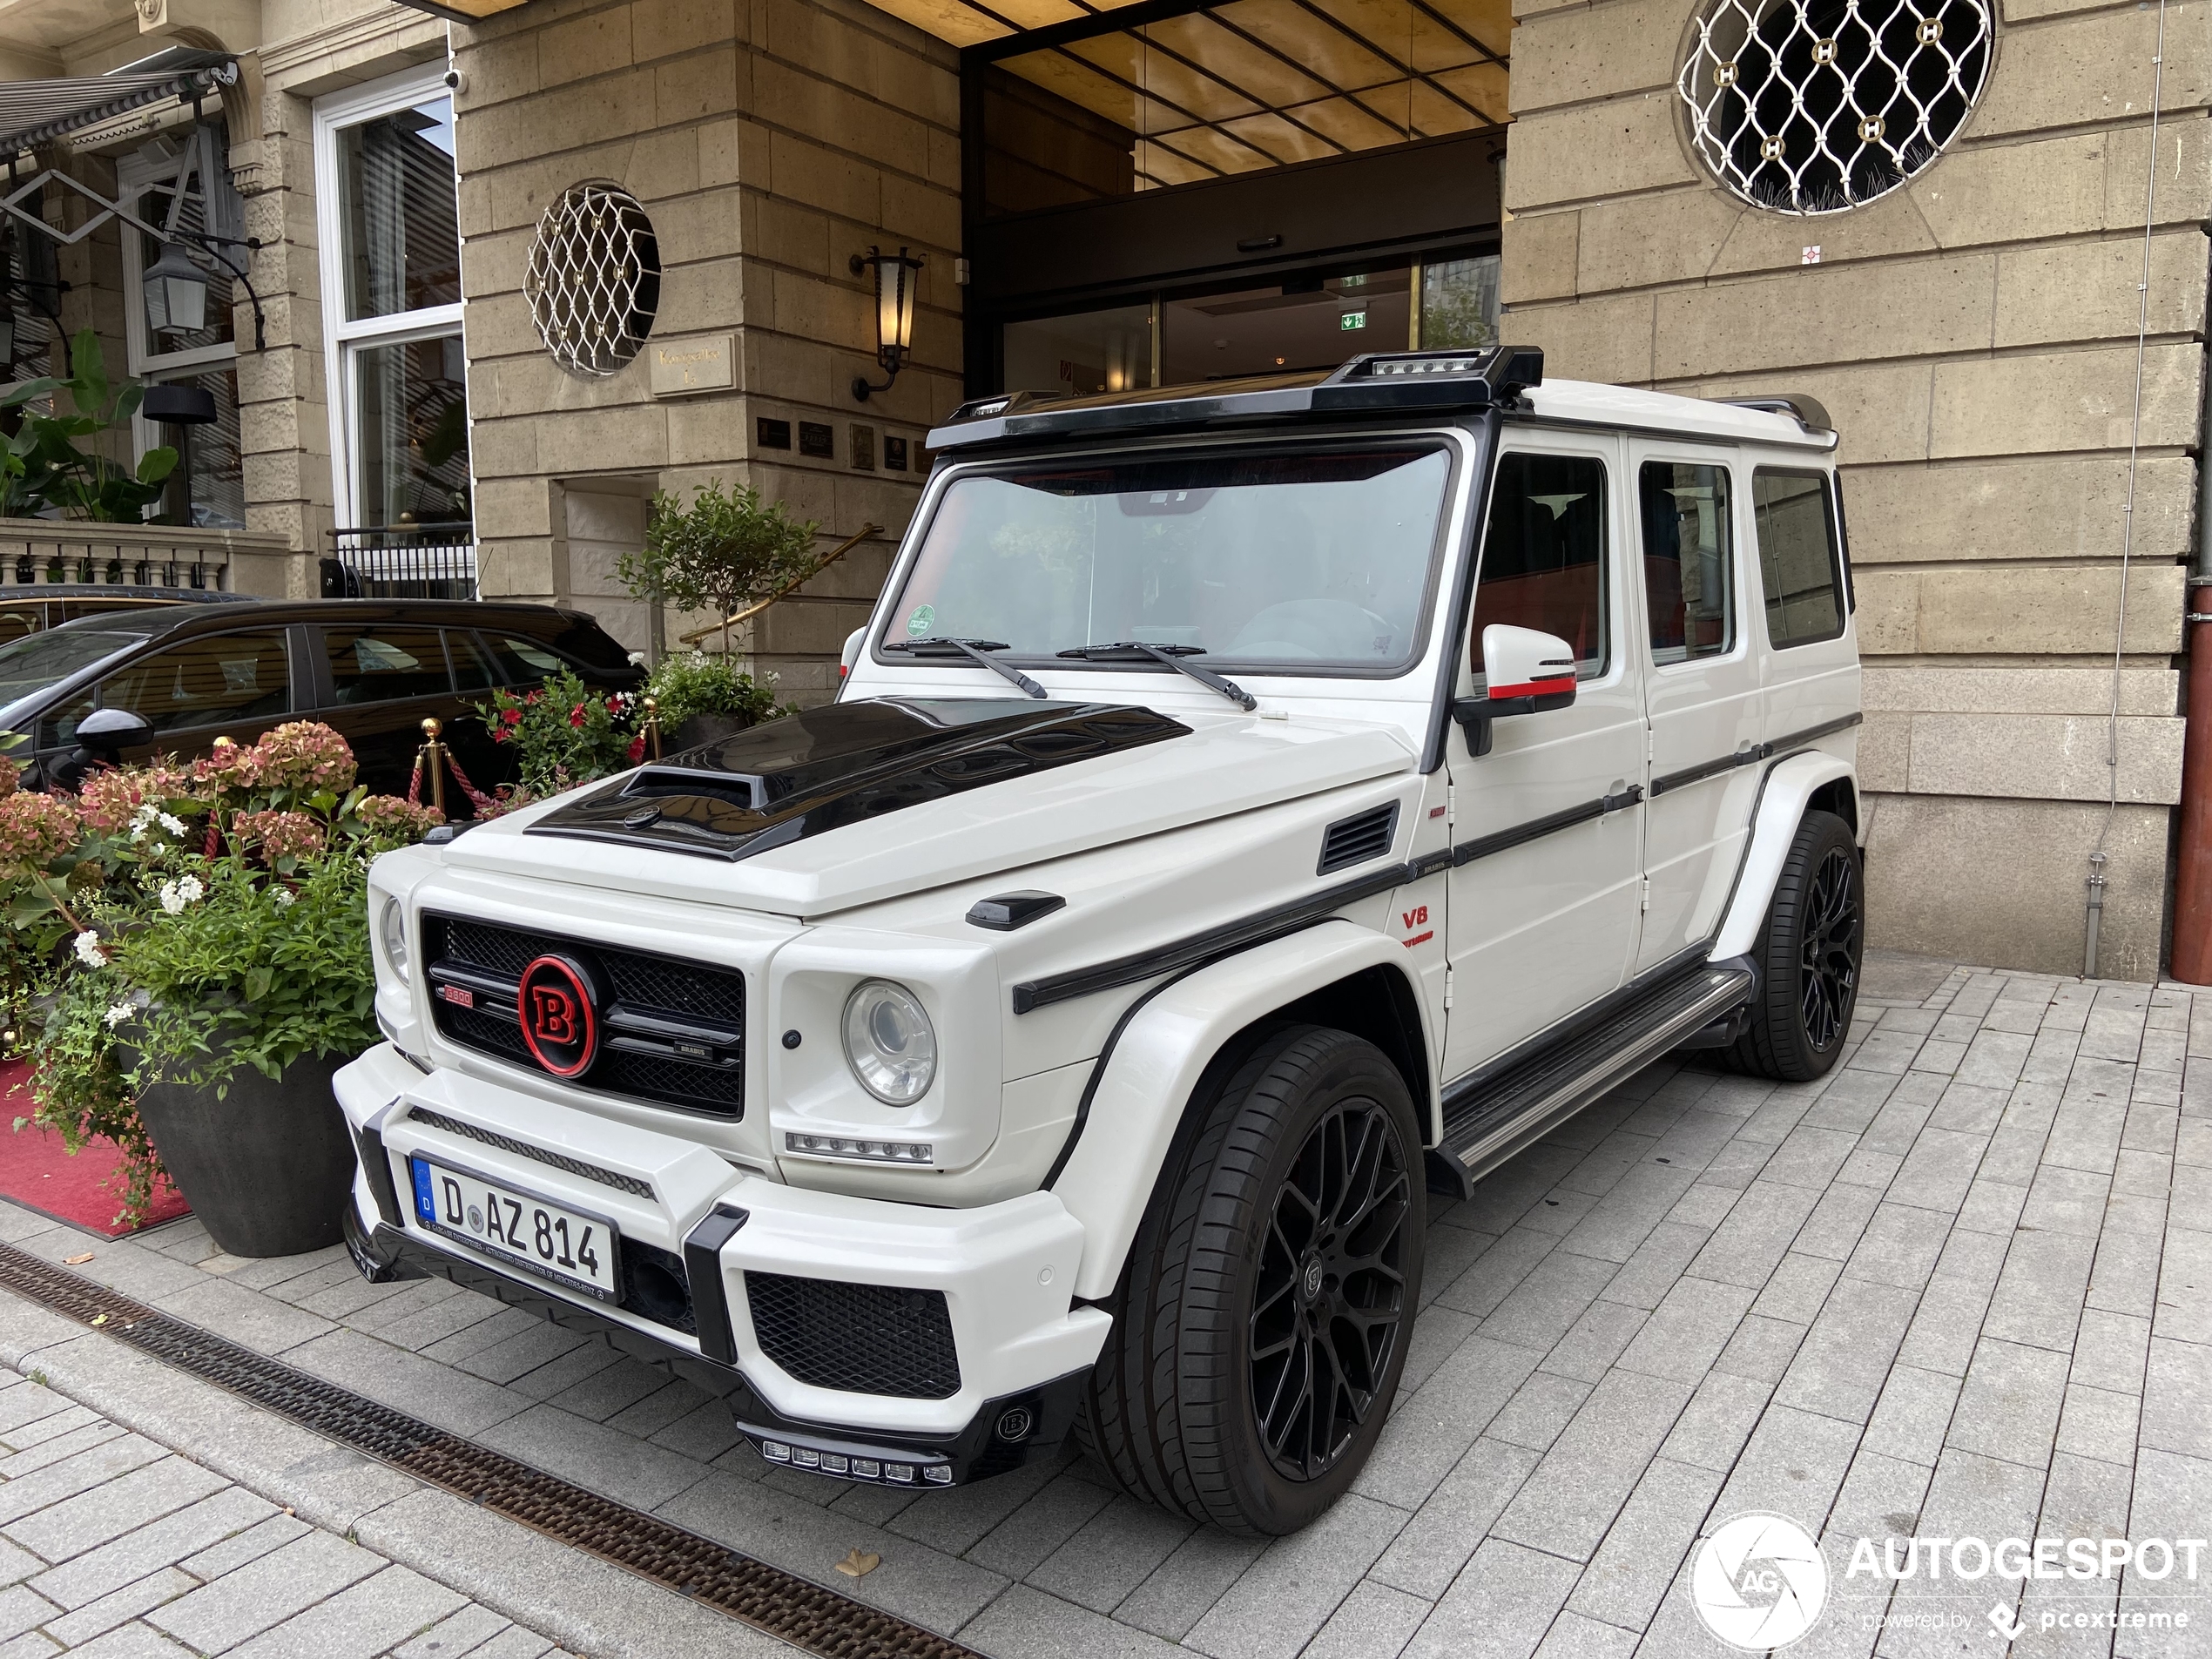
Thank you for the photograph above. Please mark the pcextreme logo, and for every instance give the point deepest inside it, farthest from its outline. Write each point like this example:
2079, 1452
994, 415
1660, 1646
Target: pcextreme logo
1759, 1582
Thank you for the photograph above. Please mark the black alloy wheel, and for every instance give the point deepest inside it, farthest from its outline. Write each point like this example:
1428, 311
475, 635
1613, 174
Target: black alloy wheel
1331, 1302
1828, 974
1808, 953
1261, 1324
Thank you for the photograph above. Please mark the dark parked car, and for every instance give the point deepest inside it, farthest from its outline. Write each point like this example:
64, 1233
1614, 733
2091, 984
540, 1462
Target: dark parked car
372, 668
32, 610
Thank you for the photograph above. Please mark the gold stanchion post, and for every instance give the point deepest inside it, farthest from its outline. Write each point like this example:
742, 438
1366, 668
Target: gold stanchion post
652, 728
434, 758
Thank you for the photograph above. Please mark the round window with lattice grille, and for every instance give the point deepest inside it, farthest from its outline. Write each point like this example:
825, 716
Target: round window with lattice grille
1813, 106
594, 281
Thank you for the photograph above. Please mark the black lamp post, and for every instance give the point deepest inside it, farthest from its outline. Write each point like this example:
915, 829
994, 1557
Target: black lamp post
176, 292
895, 287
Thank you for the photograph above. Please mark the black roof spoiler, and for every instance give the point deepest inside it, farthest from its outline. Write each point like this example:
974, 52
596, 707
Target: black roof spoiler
1809, 412
1482, 377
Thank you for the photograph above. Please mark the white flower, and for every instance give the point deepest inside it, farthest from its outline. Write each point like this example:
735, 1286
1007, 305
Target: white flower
89, 951
119, 1013
185, 890
285, 895
174, 825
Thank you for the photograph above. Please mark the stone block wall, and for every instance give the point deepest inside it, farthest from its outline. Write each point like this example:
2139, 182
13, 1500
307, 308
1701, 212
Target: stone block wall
769, 141
1974, 336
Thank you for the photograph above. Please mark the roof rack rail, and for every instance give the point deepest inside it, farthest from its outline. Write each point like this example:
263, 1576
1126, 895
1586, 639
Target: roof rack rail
1809, 412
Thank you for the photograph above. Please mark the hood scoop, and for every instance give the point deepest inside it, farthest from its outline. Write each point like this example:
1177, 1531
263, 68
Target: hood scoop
823, 768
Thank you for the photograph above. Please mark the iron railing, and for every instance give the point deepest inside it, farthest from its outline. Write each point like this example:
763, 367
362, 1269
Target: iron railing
403, 561
38, 551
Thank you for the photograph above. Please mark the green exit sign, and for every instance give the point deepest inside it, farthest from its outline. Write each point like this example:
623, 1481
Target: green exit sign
1352, 319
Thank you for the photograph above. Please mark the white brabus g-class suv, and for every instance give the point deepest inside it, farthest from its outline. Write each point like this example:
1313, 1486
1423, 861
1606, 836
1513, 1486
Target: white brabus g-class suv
1251, 807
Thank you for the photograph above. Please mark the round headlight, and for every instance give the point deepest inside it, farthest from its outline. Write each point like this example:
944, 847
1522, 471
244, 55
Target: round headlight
391, 932
889, 1043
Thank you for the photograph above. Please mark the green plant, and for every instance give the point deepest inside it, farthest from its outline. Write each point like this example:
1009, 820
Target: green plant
240, 968
563, 734
81, 1079
724, 551
697, 683
44, 469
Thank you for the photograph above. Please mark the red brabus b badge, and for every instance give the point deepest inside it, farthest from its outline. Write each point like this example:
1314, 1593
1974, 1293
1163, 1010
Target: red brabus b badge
560, 1025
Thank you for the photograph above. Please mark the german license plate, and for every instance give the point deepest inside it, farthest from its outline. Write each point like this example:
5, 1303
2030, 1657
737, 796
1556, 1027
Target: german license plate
551, 1240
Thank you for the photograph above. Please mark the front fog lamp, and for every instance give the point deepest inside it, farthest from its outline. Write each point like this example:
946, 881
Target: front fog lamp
888, 1043
391, 932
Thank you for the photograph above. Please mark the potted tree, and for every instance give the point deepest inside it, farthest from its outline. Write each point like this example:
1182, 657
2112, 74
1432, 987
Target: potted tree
724, 551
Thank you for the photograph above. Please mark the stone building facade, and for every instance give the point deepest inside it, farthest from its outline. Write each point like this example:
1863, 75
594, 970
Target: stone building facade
1974, 336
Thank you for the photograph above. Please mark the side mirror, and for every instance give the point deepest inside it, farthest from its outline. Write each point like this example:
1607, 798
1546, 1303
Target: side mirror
107, 732
1526, 672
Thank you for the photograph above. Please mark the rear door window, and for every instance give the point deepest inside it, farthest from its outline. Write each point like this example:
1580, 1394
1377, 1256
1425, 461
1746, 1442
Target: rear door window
1801, 565
210, 681
1689, 556
385, 664
518, 659
1543, 557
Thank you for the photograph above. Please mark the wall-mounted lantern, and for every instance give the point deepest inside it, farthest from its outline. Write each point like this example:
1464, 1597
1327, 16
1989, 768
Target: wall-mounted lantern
895, 284
176, 291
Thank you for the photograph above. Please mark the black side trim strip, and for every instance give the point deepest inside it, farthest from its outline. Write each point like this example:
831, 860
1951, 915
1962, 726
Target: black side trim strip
1484, 845
703, 1266
1752, 756
1196, 950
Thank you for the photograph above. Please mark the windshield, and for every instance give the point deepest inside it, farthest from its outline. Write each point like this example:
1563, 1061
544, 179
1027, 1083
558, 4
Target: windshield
1305, 561
39, 660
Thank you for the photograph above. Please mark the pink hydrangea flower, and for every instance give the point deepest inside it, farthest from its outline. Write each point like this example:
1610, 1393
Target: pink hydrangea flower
280, 835
393, 817
34, 830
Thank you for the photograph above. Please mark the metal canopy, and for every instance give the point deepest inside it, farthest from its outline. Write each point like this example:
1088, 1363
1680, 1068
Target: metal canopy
32, 112
1212, 88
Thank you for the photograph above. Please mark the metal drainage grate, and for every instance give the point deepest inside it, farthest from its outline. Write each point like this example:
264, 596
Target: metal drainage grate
784, 1605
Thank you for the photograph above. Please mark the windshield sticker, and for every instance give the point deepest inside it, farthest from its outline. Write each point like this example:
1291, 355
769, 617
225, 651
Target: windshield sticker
919, 623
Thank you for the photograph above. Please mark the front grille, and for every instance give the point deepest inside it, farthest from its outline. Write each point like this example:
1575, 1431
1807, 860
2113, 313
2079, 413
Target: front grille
659, 1003
859, 1338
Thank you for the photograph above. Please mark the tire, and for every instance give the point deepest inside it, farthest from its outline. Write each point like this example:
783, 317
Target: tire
1287, 1224
1809, 952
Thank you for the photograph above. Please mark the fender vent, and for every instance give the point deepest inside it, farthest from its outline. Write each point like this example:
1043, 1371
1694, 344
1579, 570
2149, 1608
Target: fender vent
1357, 838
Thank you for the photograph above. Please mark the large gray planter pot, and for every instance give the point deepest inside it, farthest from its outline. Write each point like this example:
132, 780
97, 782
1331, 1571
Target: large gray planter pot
268, 1167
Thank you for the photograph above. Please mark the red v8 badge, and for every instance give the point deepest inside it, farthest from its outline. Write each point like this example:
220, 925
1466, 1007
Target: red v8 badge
559, 1017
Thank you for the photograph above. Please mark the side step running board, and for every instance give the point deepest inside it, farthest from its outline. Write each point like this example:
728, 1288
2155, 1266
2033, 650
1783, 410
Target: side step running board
1527, 1101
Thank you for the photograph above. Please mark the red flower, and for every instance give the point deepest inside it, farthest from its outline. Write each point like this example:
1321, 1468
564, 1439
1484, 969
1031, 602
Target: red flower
614, 705
576, 715
498, 737
511, 717
637, 750
534, 695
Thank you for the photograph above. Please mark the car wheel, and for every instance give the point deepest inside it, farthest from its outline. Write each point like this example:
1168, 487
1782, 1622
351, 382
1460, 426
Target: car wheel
1262, 1321
1808, 953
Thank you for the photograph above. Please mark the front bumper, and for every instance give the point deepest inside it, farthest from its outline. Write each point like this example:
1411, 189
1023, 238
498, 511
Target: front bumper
1004, 1271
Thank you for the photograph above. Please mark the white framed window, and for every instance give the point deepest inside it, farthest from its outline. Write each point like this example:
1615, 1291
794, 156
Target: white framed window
180, 182
388, 219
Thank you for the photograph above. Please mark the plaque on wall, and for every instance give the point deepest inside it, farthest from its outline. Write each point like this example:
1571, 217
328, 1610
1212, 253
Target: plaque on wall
861, 443
895, 455
819, 439
770, 434
703, 363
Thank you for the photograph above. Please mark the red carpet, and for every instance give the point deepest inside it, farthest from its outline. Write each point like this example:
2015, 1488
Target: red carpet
85, 1190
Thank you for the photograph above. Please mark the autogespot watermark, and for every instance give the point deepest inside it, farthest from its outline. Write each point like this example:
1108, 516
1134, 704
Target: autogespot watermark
1760, 1582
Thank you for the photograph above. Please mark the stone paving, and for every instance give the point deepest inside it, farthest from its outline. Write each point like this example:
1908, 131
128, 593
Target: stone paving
1962, 1285
113, 1546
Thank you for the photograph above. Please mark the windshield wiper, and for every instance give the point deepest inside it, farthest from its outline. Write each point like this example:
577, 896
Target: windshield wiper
973, 650
1136, 651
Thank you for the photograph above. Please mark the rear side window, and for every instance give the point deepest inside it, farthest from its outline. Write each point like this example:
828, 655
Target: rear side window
384, 664
1800, 559
1544, 558
518, 659
1689, 560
